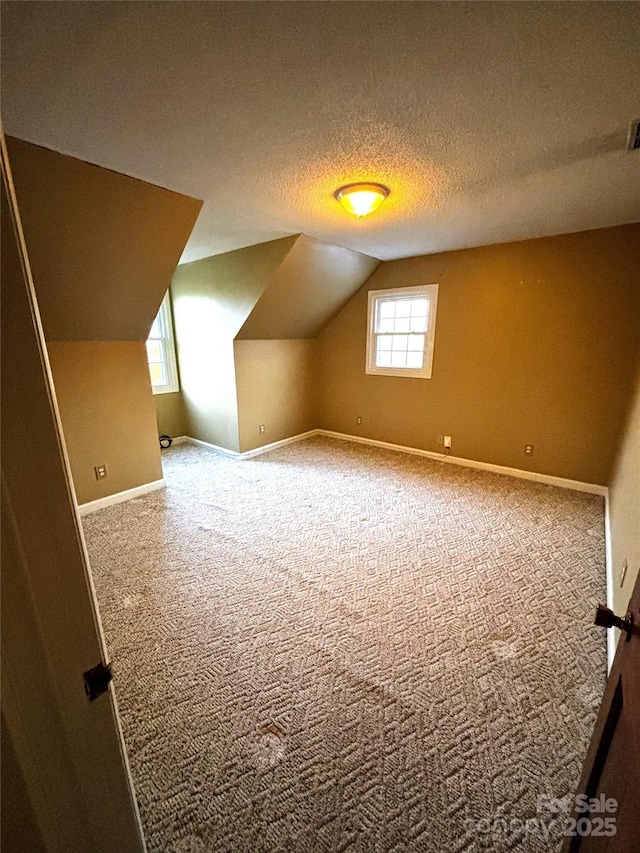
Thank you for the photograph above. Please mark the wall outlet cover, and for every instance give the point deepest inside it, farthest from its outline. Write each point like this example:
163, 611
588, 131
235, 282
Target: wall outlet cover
100, 472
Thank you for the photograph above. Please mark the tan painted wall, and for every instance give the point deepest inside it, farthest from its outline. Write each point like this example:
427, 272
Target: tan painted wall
536, 342
107, 412
310, 286
103, 246
282, 290
211, 299
171, 415
274, 384
227, 286
624, 509
209, 386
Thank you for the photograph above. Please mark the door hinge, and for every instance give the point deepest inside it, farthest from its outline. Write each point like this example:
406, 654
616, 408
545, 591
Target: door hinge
96, 680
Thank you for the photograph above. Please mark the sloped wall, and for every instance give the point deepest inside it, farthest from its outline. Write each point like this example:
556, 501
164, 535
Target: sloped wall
211, 300
311, 285
536, 343
272, 299
102, 248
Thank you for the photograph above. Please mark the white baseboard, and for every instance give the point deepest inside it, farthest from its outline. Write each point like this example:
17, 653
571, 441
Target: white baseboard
248, 454
535, 476
199, 443
120, 497
549, 479
180, 439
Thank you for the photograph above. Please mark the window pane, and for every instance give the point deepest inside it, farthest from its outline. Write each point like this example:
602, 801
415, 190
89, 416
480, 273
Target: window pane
386, 325
418, 324
161, 352
386, 309
403, 307
158, 376
401, 327
415, 359
401, 315
402, 324
155, 351
400, 343
400, 351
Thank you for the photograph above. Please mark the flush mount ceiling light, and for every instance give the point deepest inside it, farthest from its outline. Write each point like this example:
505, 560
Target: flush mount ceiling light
361, 199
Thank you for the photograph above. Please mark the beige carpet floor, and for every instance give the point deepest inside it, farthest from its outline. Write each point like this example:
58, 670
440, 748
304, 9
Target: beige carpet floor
337, 648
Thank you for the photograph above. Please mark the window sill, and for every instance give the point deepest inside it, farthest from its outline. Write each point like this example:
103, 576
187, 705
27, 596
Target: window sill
403, 372
165, 389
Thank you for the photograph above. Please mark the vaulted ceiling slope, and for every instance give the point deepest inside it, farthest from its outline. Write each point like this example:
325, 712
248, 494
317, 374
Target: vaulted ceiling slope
307, 290
491, 122
102, 246
283, 289
213, 297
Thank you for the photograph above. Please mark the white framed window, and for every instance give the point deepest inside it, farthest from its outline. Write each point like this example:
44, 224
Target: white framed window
401, 331
161, 352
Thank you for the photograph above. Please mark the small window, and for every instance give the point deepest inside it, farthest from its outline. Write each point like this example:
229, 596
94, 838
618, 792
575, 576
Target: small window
161, 352
401, 331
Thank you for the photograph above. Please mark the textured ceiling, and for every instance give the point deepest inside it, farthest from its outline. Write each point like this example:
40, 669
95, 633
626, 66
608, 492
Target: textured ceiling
489, 121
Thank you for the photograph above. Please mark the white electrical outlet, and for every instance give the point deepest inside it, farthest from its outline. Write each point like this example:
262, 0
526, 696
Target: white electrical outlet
359, 420
100, 472
261, 429
447, 441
